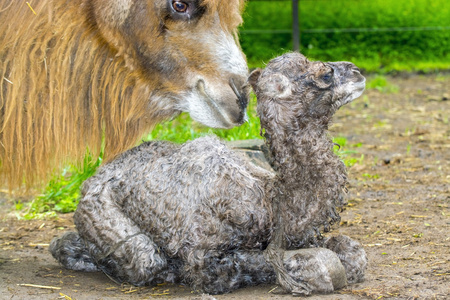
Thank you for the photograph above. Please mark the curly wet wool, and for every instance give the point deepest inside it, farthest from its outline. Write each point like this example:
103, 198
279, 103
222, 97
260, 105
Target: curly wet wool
202, 215
311, 178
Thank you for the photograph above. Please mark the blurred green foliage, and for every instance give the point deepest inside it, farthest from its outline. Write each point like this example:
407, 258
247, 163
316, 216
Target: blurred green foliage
381, 83
62, 192
183, 128
375, 51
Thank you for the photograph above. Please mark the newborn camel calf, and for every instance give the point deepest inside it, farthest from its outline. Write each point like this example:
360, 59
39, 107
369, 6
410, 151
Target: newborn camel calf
202, 215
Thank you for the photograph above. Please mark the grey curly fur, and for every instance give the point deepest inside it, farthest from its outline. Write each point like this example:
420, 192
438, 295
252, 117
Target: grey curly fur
202, 215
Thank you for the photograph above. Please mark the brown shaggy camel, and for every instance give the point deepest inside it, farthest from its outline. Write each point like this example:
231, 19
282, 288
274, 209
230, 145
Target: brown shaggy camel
74, 73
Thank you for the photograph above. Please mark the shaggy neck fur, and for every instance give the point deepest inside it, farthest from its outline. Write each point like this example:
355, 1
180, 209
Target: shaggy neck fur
310, 177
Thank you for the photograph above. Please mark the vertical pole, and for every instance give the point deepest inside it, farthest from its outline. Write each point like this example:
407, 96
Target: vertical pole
295, 25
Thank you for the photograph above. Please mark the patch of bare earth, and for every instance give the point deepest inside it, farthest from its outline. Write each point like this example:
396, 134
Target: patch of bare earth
399, 198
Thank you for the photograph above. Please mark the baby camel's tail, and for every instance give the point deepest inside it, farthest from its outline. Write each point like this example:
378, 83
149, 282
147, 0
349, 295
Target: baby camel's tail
71, 251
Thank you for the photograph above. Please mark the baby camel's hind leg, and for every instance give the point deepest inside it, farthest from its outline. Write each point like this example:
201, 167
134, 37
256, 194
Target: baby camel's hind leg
218, 272
122, 250
351, 254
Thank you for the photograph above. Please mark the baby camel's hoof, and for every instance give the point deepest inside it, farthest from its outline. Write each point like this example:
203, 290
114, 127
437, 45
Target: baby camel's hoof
318, 268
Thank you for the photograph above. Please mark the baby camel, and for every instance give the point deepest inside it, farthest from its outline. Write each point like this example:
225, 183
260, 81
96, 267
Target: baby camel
202, 215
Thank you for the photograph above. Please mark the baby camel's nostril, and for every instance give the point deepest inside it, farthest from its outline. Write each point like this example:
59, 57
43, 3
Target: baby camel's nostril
355, 68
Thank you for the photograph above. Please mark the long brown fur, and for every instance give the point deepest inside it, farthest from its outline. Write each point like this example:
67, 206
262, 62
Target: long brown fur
63, 88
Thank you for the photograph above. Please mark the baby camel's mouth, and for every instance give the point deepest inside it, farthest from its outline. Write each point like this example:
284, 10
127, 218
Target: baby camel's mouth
360, 86
353, 90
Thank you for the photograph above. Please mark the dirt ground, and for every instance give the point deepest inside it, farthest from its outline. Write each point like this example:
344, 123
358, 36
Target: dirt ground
398, 209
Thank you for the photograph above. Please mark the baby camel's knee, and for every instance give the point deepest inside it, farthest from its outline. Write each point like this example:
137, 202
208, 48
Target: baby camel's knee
351, 254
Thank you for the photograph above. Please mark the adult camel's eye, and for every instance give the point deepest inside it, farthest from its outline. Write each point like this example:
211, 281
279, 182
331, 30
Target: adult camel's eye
180, 6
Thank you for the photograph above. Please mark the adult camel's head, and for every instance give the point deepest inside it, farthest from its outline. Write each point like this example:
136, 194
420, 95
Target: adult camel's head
76, 74
189, 49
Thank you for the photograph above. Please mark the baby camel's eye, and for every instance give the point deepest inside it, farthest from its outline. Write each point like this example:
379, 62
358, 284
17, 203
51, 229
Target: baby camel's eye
328, 77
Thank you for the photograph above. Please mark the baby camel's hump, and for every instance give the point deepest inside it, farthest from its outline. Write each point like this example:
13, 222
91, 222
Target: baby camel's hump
201, 194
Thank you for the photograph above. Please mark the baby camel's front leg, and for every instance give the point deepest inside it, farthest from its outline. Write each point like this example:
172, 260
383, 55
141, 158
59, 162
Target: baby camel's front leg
222, 271
352, 255
122, 250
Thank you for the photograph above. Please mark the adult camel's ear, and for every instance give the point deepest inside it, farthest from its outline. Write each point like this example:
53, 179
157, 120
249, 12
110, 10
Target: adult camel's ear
110, 16
111, 13
253, 78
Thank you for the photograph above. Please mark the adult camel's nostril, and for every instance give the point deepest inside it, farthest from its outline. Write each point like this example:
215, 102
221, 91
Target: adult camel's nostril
234, 88
241, 91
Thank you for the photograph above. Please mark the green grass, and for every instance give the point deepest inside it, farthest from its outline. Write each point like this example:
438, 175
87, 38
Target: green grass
381, 83
61, 193
183, 128
348, 153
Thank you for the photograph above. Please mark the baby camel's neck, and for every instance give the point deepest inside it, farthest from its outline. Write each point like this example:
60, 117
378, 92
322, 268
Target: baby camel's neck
295, 152
311, 179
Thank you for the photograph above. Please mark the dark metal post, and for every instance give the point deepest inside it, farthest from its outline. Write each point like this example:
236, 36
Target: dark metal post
295, 25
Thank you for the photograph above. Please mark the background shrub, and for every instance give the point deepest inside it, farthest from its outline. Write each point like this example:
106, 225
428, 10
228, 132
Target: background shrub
377, 35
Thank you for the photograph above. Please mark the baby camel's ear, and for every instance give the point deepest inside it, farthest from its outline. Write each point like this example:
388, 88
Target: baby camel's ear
253, 78
276, 86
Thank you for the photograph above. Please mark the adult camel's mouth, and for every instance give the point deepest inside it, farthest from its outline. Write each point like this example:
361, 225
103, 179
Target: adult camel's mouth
220, 111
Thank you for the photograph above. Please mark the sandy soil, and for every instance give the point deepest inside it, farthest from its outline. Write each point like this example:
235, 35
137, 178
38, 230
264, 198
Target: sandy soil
398, 209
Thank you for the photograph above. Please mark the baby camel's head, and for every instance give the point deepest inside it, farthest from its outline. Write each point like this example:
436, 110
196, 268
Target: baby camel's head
295, 92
